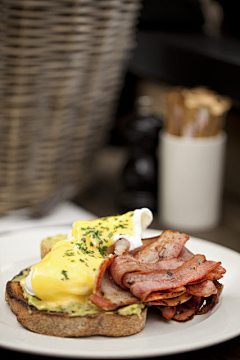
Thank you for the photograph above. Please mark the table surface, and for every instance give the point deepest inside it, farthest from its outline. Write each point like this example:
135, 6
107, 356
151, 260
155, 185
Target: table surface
101, 200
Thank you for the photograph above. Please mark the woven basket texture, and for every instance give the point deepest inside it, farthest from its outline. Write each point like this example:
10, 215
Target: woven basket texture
62, 65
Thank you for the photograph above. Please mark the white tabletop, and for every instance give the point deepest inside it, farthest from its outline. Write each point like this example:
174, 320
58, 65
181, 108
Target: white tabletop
64, 213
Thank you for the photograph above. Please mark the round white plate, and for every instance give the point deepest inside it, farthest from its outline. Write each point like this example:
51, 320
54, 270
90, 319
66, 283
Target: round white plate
160, 337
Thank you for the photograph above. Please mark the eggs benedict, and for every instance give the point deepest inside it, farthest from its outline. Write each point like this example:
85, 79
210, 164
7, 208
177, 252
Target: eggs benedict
63, 280
101, 277
65, 276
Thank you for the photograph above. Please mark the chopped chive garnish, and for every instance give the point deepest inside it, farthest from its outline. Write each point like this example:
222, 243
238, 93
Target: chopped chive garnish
64, 273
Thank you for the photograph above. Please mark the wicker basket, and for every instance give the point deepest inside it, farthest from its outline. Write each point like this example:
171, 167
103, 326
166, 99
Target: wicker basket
61, 69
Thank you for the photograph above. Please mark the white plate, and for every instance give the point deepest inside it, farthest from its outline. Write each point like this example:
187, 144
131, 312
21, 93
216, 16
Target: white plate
159, 337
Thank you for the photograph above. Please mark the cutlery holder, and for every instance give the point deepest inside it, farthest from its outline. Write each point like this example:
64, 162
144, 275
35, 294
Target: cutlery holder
191, 181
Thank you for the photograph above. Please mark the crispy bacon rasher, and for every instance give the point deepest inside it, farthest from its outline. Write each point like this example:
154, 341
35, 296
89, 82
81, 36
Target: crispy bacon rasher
162, 273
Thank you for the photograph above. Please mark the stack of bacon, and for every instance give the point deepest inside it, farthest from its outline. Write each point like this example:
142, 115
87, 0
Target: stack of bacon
162, 273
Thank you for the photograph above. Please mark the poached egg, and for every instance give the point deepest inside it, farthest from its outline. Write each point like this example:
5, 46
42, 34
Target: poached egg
65, 276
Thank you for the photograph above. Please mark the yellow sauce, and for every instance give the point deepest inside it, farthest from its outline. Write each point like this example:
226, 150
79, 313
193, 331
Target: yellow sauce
65, 276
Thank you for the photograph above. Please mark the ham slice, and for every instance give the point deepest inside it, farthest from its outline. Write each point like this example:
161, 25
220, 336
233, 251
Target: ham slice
217, 273
126, 264
172, 301
142, 284
106, 293
111, 296
145, 242
185, 254
205, 288
123, 265
155, 296
182, 312
168, 245
212, 300
186, 311
168, 311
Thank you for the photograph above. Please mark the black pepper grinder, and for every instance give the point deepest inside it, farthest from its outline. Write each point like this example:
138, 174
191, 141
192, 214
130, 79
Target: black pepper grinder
139, 188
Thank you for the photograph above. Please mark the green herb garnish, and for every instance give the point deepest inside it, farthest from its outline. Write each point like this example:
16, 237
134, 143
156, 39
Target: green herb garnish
64, 273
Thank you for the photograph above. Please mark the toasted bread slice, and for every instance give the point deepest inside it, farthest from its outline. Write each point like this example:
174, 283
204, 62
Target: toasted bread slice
63, 325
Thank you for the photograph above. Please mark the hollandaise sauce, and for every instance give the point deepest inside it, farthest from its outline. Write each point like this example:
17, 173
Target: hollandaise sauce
65, 276
102, 233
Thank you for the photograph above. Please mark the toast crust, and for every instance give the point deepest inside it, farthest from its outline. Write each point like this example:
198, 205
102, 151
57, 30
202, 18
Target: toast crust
63, 325
44, 249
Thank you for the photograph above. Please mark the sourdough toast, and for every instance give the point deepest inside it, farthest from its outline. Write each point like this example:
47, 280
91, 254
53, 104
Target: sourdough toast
63, 325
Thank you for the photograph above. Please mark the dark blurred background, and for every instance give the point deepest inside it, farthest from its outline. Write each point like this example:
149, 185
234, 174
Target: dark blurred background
82, 104
178, 43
